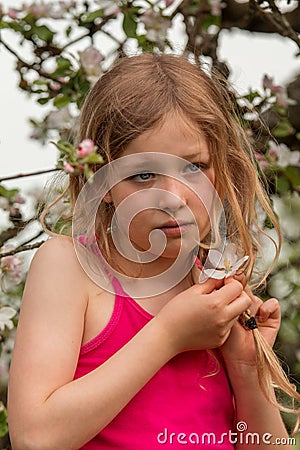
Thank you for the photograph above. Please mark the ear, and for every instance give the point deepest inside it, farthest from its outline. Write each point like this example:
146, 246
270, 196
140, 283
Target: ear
108, 198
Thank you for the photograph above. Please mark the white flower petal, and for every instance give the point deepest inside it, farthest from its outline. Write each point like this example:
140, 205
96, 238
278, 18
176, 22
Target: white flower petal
216, 258
7, 313
230, 253
239, 263
213, 273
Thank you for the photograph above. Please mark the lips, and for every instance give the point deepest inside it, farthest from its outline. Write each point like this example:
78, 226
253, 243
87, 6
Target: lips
175, 229
175, 224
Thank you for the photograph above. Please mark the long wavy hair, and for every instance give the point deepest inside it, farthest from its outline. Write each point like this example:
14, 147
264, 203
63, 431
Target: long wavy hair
135, 96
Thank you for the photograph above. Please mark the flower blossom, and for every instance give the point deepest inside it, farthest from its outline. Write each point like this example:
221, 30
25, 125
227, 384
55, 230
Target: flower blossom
11, 267
156, 26
85, 147
68, 167
223, 264
283, 155
279, 92
59, 120
216, 7
91, 60
6, 314
109, 7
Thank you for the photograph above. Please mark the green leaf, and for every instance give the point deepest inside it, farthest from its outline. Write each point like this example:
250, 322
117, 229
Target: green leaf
293, 175
282, 185
252, 96
43, 33
63, 63
8, 193
283, 129
211, 19
63, 67
94, 158
16, 27
129, 23
3, 25
94, 15
3, 420
68, 31
43, 100
61, 101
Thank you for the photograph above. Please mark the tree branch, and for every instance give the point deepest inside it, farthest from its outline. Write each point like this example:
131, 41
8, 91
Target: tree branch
238, 15
30, 174
22, 248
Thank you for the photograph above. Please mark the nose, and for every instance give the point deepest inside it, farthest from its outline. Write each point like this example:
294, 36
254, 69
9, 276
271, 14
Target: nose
172, 194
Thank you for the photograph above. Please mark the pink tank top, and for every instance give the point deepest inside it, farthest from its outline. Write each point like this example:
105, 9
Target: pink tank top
188, 403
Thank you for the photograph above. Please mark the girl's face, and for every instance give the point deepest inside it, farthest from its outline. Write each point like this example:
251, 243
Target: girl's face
175, 201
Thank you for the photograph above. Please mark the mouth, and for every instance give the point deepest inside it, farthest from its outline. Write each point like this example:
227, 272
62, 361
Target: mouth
173, 228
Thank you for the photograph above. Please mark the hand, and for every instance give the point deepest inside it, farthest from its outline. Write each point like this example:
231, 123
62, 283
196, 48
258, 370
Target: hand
202, 316
239, 347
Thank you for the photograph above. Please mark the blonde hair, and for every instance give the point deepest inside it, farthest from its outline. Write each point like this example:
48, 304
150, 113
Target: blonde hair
135, 96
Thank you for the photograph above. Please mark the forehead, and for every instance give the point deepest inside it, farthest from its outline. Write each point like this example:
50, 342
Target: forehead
175, 136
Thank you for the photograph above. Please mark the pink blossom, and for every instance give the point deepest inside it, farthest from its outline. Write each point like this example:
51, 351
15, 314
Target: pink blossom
267, 82
85, 147
13, 13
109, 7
11, 267
68, 167
19, 199
39, 9
91, 60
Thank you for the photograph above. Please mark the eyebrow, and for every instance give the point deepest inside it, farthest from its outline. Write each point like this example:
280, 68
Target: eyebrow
198, 154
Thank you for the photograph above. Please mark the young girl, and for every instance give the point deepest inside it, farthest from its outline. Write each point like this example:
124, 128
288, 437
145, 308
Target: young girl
103, 362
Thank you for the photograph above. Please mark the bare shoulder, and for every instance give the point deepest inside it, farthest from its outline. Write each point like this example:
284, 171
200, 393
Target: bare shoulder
58, 255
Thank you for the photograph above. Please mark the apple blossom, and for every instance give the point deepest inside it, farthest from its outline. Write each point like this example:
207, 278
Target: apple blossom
216, 7
85, 147
283, 155
6, 314
222, 264
109, 7
11, 268
156, 26
13, 13
68, 167
90, 60
60, 119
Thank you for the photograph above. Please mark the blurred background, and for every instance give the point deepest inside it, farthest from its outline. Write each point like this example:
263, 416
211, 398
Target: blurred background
52, 53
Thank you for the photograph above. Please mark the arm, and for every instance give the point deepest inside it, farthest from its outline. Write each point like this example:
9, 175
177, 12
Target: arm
261, 417
46, 406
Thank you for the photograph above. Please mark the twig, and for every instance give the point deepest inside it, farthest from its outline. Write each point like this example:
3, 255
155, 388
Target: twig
30, 174
278, 20
22, 248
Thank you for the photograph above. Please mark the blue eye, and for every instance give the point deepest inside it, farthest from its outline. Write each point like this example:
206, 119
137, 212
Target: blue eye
144, 176
196, 167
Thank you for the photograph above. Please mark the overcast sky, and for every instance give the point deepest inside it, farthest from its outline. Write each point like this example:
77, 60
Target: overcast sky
249, 56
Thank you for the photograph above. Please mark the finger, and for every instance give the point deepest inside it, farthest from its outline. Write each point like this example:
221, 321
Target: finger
240, 276
256, 302
239, 305
230, 291
269, 309
208, 286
